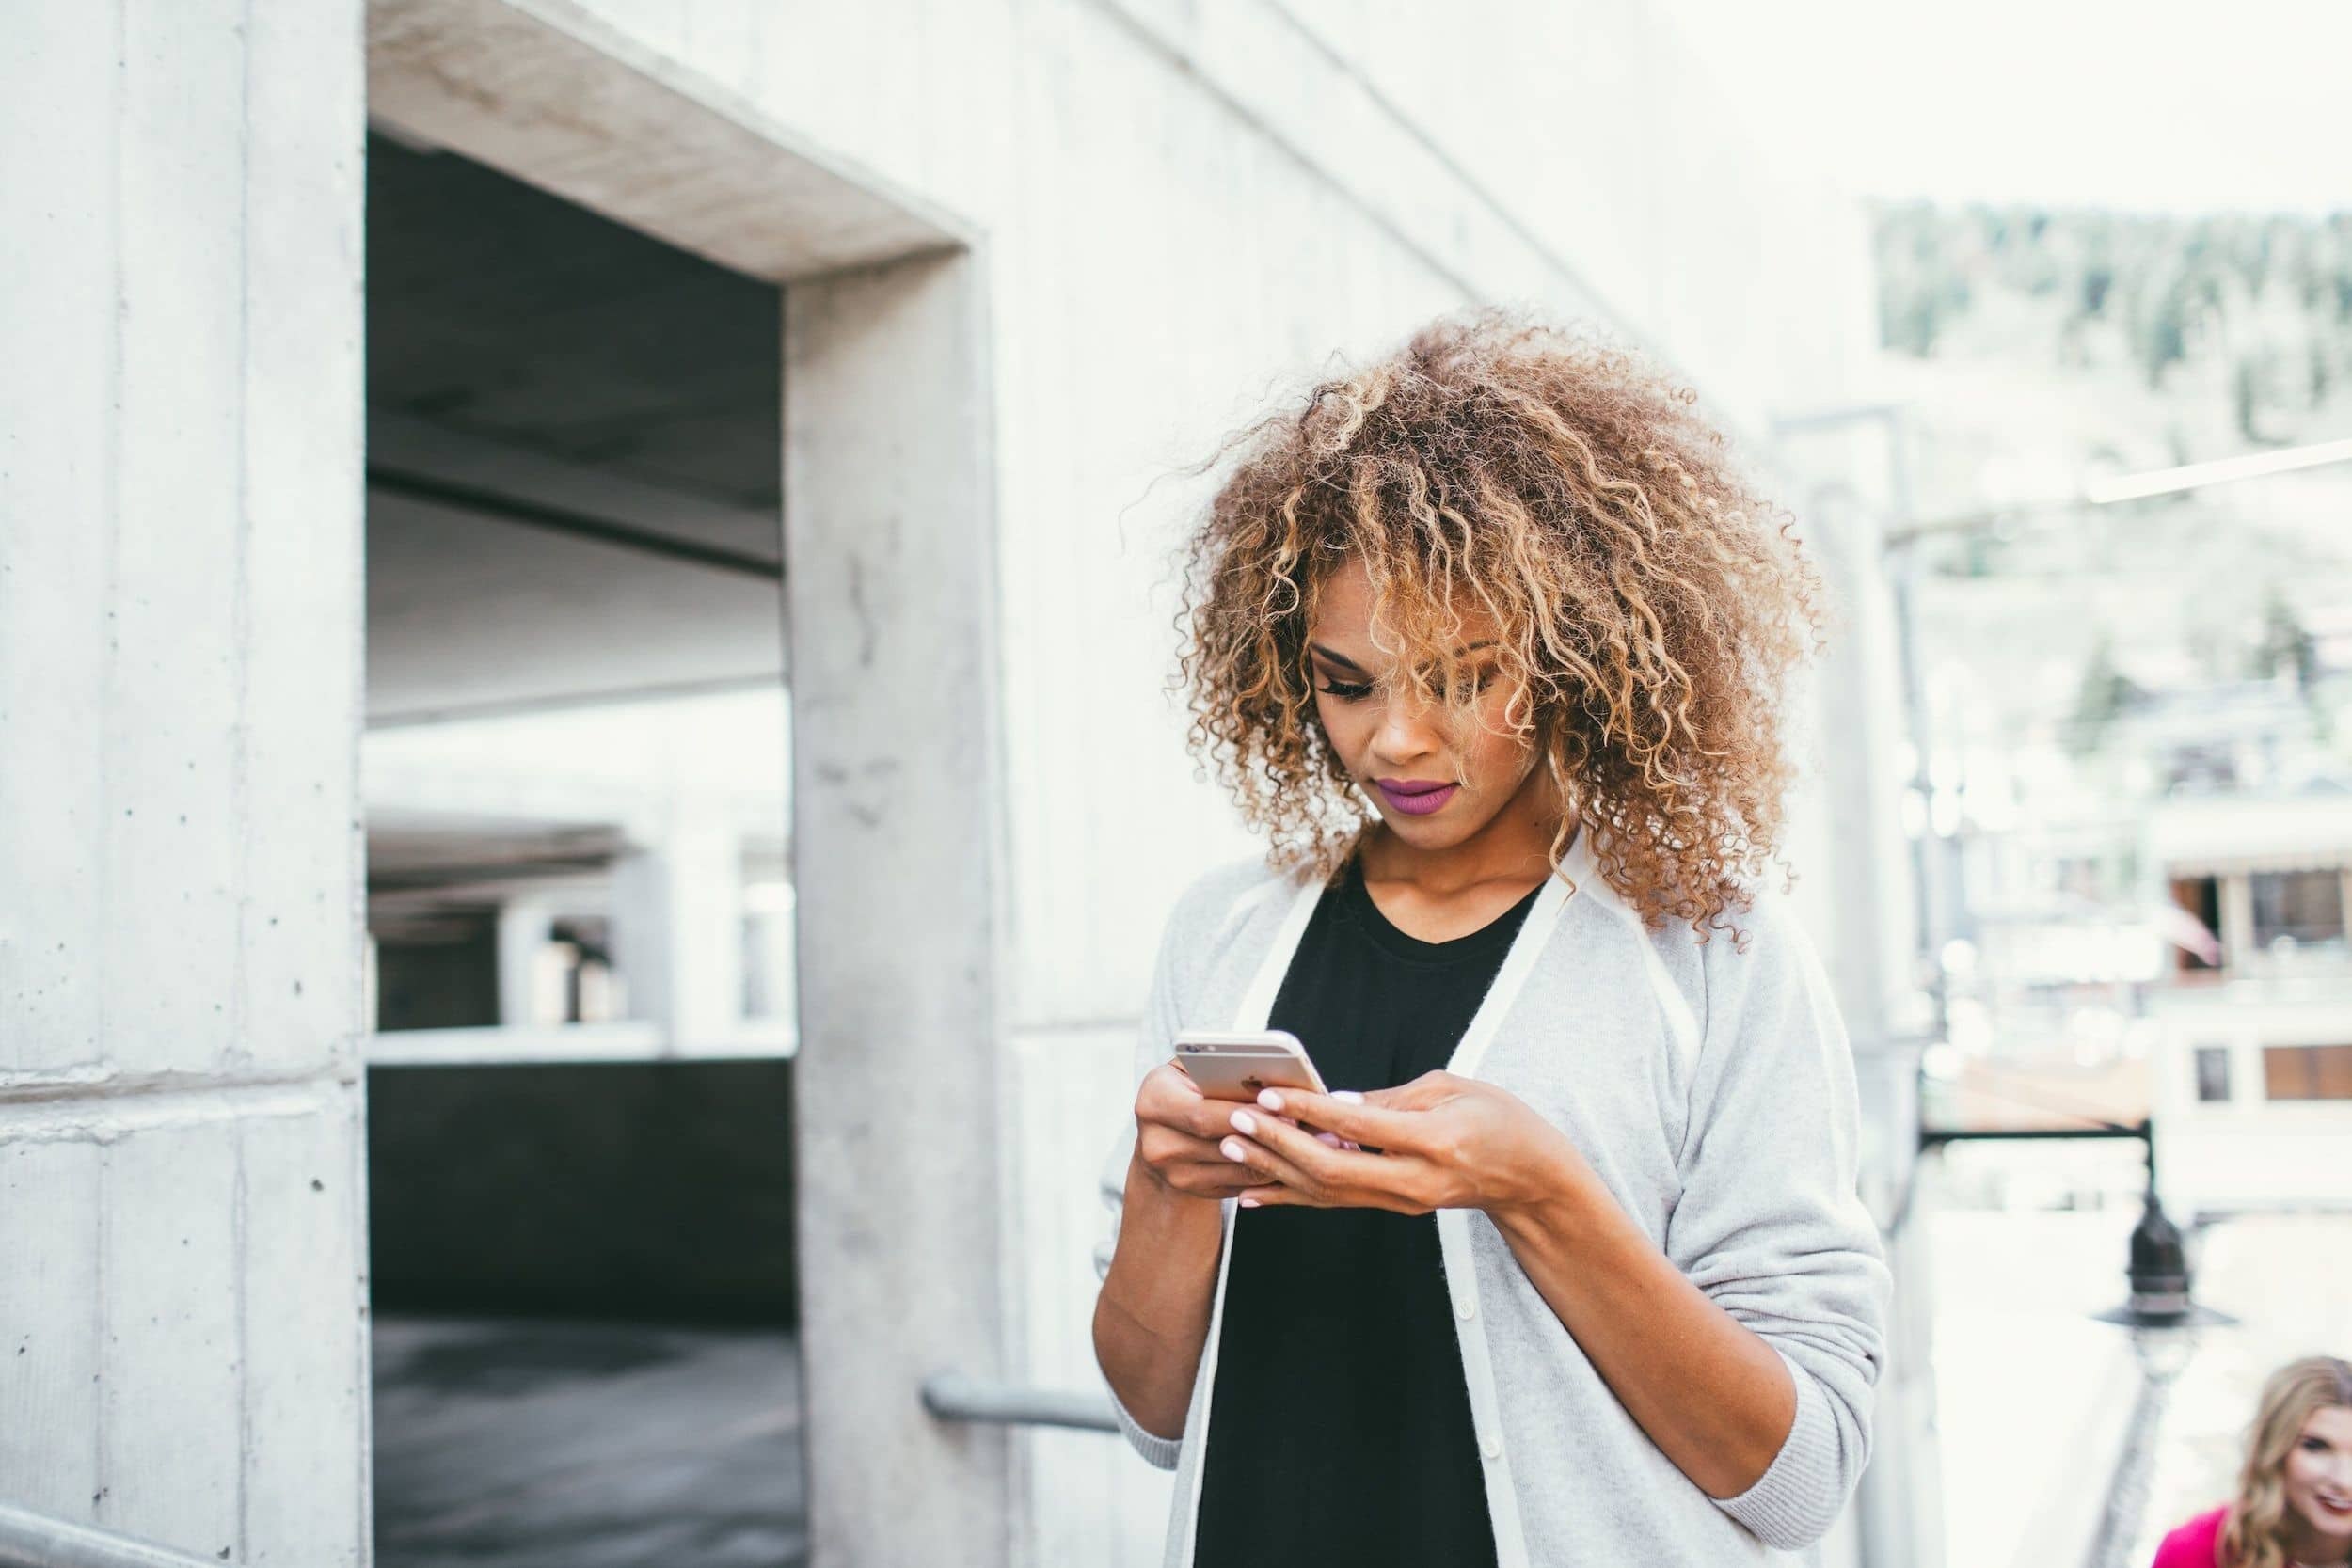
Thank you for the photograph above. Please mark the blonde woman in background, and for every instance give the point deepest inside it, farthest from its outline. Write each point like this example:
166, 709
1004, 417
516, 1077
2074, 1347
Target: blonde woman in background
2293, 1506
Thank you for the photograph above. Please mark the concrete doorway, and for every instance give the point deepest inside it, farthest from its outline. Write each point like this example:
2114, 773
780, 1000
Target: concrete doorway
888, 606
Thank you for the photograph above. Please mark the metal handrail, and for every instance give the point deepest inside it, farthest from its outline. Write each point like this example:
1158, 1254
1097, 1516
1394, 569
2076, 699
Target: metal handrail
30, 1539
955, 1396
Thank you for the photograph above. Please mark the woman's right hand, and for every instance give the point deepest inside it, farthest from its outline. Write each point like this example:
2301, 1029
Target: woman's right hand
1153, 1315
1178, 1134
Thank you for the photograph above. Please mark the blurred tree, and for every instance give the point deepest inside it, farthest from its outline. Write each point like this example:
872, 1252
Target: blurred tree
2286, 647
2147, 291
2105, 694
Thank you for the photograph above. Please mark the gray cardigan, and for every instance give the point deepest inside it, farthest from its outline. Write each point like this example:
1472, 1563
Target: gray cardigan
1713, 1092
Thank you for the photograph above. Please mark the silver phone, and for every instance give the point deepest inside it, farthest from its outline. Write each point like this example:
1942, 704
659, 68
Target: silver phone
1227, 1064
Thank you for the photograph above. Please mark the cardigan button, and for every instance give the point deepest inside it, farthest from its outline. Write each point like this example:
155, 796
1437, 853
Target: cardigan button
1465, 1309
1492, 1446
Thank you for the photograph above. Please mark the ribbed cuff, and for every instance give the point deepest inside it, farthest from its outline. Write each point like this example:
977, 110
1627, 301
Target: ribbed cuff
1794, 1502
1159, 1452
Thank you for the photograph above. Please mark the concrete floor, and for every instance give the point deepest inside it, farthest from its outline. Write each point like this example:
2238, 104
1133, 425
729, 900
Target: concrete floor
520, 1443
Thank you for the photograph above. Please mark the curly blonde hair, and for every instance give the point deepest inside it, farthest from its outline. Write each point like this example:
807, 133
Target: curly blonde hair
2254, 1535
1652, 604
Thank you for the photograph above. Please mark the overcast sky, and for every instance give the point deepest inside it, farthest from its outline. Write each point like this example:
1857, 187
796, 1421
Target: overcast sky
2157, 105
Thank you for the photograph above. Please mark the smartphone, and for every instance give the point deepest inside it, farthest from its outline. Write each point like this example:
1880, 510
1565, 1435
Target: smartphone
1237, 1066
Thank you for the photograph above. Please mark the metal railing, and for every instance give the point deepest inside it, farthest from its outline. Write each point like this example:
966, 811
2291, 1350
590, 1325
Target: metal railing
30, 1539
954, 1396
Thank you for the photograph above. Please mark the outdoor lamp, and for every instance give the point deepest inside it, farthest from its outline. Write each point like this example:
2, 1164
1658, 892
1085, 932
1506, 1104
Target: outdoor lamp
2164, 1319
2160, 1301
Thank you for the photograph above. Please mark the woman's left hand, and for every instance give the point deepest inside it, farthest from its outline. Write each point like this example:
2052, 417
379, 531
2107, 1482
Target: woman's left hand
1442, 1142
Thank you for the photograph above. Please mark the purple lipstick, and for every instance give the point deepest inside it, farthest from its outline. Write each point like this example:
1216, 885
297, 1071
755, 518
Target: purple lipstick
1415, 797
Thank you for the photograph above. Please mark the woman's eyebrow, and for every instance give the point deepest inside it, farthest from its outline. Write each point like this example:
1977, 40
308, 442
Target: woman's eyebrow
1341, 660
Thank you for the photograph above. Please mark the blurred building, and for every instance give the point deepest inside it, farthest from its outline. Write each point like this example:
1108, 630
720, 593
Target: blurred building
2253, 1085
438, 434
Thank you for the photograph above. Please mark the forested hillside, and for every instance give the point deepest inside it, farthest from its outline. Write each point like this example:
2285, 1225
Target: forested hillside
2262, 304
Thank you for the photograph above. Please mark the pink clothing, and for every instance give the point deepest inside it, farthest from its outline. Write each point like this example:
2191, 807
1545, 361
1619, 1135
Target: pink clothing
2195, 1545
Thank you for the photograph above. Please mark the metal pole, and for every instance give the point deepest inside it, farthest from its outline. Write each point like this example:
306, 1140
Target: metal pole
29, 1540
955, 1396
2135, 1467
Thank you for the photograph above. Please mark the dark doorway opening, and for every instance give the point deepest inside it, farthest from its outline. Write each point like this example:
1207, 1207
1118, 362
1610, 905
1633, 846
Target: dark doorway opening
578, 891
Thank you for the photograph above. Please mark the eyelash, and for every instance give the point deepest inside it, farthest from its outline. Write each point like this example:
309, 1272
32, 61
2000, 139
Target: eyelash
1356, 693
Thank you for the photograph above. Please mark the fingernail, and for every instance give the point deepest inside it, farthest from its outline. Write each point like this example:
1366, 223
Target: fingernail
1350, 1096
1245, 1124
1330, 1140
1249, 1203
1231, 1147
1268, 1099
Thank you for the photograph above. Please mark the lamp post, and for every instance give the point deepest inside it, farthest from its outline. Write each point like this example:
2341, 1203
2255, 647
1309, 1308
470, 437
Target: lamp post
2162, 1319
2161, 1314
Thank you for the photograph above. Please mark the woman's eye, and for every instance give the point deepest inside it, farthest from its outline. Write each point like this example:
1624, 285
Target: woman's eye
1345, 692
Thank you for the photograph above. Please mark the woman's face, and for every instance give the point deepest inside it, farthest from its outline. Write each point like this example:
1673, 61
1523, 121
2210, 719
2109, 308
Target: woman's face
1435, 788
2319, 1473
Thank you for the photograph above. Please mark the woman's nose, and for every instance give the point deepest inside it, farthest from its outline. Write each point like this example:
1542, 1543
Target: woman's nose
1405, 731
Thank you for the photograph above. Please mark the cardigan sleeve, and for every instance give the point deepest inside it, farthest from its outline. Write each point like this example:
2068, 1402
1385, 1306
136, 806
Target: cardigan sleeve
1769, 1223
1155, 1042
1156, 1450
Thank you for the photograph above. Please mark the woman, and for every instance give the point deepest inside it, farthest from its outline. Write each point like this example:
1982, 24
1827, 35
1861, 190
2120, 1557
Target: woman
2293, 1506
1488, 637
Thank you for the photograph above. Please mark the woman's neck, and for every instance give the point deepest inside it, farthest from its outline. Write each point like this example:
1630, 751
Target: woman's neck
2307, 1548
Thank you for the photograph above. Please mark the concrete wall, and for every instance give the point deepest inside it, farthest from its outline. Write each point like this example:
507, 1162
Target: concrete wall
182, 1301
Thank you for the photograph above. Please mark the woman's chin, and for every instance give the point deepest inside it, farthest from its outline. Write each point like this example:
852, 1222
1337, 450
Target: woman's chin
2333, 1526
1439, 829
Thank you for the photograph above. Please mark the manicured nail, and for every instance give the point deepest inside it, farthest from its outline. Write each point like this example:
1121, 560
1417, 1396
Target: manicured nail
1231, 1147
1268, 1099
1245, 1124
1249, 1203
1329, 1140
1350, 1096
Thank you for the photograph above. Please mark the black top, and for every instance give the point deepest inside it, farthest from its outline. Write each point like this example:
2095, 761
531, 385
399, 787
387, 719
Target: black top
1340, 1425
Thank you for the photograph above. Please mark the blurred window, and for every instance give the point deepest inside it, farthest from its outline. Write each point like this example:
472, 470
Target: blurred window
2306, 1071
2201, 897
2300, 906
2212, 1074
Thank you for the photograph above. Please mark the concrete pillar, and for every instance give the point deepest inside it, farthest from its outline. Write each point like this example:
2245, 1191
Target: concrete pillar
526, 925
897, 810
1872, 960
677, 931
182, 1333
2238, 956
